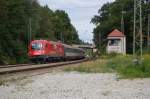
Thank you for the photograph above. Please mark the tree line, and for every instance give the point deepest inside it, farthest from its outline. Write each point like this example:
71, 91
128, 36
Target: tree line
109, 18
24, 20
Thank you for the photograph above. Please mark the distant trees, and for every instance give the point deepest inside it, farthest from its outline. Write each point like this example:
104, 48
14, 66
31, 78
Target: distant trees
20, 17
109, 18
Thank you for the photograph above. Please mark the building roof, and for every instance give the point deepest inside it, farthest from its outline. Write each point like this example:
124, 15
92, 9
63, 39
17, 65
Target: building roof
116, 33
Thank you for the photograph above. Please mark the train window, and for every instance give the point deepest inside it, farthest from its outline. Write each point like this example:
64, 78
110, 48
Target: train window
36, 46
68, 49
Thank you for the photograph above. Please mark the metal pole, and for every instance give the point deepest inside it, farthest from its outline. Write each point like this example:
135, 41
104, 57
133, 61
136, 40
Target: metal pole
141, 34
72, 39
30, 29
61, 37
122, 28
30, 23
148, 35
137, 33
99, 41
122, 22
134, 28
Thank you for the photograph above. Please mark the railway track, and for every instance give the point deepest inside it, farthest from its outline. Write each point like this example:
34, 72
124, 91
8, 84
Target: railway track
28, 67
7, 66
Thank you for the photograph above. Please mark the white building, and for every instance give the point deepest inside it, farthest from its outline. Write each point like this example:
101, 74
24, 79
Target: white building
116, 42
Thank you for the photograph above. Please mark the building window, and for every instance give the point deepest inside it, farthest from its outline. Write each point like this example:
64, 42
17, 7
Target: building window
114, 42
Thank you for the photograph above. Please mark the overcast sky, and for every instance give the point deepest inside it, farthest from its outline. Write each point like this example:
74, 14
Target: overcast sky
80, 13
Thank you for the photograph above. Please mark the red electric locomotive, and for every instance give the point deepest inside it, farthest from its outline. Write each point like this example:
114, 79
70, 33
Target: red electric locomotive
46, 51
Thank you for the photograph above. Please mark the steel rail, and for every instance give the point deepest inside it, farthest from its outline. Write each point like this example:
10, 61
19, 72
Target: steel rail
25, 67
7, 66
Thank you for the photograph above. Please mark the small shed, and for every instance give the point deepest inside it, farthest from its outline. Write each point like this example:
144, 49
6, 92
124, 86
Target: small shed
116, 42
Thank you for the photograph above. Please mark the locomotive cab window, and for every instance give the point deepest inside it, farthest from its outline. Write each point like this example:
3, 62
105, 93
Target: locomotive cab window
36, 46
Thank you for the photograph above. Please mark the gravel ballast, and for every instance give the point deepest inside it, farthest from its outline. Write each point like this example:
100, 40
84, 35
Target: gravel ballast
76, 86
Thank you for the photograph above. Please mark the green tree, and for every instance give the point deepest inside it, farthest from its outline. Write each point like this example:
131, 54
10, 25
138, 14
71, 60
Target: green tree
109, 18
63, 28
17, 17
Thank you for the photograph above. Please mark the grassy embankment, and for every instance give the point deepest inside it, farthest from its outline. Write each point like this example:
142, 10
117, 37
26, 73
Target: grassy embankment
123, 65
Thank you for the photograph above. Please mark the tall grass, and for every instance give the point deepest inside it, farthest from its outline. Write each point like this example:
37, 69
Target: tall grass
130, 70
121, 64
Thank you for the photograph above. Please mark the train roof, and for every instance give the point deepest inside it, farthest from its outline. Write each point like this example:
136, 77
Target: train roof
39, 41
53, 42
72, 47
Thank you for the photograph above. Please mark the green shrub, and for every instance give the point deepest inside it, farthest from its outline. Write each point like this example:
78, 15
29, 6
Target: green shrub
131, 70
121, 64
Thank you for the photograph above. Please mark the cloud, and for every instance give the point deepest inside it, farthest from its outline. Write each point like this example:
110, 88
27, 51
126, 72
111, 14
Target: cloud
80, 13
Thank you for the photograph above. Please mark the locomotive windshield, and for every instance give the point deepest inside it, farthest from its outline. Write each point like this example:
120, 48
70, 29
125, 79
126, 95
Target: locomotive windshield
36, 46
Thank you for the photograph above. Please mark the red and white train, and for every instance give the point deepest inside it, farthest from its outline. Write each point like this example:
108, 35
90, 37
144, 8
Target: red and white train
46, 51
